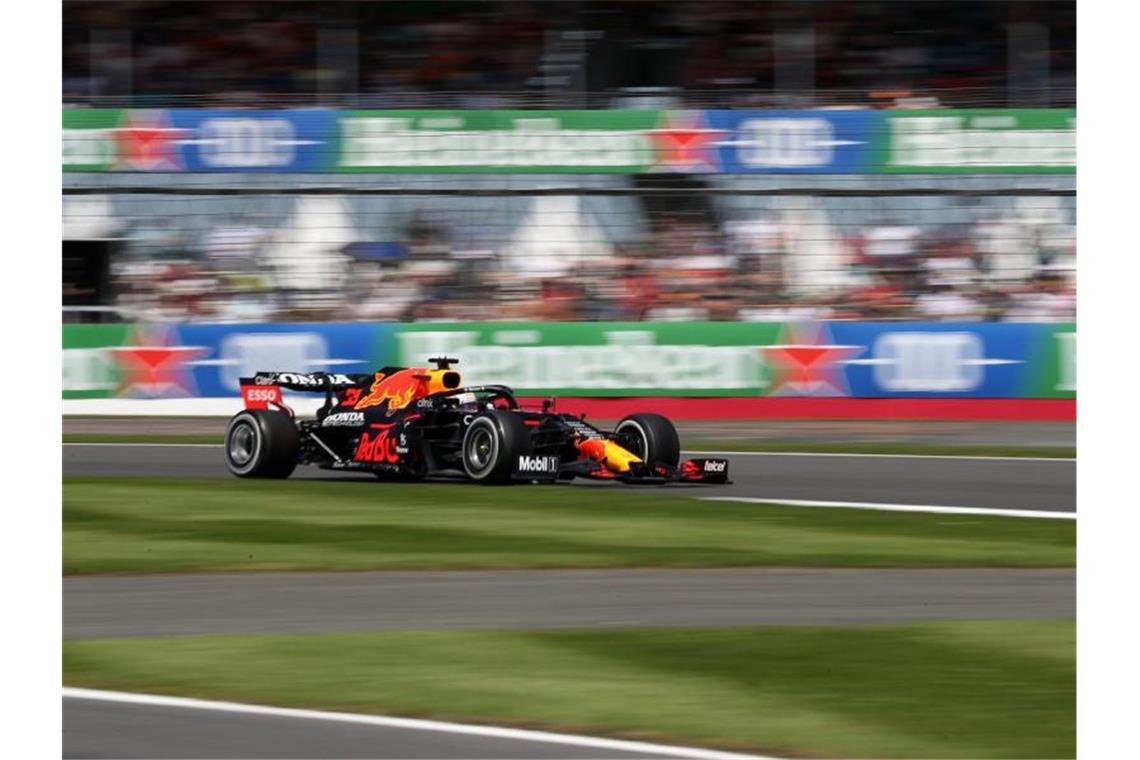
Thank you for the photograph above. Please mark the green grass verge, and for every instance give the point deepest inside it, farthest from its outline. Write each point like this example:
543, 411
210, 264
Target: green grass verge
114, 525
933, 690
705, 444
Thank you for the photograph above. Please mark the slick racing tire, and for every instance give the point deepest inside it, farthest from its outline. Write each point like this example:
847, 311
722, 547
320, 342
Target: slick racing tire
492, 444
261, 444
651, 437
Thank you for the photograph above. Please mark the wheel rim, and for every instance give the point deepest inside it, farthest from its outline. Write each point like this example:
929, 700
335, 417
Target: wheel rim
480, 449
636, 436
243, 443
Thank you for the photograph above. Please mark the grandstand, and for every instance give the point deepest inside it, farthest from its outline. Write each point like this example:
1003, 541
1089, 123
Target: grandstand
569, 161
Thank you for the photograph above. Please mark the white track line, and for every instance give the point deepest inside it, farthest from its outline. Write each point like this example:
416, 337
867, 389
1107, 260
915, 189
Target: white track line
857, 455
939, 510
570, 740
853, 455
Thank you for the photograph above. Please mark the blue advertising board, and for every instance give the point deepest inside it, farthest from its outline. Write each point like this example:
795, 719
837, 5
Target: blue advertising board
795, 142
254, 141
229, 352
939, 359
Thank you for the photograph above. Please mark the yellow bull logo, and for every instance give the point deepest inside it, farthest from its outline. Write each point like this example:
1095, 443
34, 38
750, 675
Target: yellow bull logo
405, 386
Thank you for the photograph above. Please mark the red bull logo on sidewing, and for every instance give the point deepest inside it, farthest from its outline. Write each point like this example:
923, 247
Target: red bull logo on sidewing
397, 389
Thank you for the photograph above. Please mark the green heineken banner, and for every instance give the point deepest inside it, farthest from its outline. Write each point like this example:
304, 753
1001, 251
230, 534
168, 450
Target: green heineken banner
602, 358
498, 141
571, 142
1055, 375
90, 369
89, 139
979, 141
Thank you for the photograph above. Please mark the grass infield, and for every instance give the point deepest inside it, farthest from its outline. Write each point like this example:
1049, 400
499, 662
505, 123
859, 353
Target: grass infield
704, 444
932, 690
140, 525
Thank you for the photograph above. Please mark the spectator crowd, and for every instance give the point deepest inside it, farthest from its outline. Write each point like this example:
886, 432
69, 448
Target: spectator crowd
767, 268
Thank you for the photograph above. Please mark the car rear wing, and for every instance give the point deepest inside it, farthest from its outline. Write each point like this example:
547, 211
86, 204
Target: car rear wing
263, 390
305, 381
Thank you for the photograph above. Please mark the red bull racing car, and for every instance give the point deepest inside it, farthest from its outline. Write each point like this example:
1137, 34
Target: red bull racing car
412, 422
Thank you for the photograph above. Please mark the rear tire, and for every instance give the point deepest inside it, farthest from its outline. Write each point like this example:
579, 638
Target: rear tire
492, 444
652, 438
261, 444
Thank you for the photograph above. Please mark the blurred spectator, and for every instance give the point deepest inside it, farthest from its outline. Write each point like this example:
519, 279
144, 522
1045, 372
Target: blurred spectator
950, 281
185, 291
1006, 248
760, 249
891, 246
234, 245
887, 299
1047, 299
637, 291
377, 292
946, 302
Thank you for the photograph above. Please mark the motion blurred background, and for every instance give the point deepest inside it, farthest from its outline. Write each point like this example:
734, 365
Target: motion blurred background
813, 227
608, 160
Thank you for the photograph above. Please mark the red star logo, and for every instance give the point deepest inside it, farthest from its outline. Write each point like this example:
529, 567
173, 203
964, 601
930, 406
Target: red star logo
807, 363
146, 141
684, 142
153, 365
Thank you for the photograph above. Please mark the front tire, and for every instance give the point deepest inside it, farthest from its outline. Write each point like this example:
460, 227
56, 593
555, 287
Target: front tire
492, 444
651, 437
261, 444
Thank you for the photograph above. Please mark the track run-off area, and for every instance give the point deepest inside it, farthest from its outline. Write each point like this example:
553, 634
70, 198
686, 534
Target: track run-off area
143, 608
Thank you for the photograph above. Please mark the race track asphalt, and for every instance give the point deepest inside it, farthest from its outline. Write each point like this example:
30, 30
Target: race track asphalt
367, 601
1036, 484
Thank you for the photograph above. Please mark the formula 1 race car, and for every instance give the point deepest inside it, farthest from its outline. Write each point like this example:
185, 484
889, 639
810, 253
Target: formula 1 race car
412, 422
